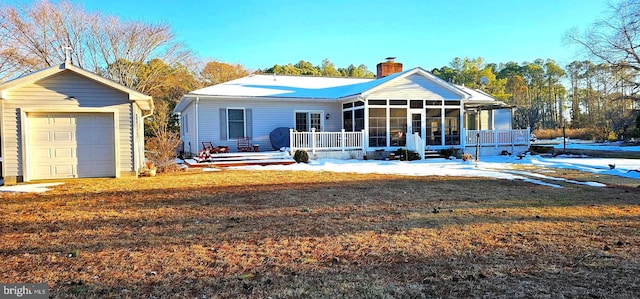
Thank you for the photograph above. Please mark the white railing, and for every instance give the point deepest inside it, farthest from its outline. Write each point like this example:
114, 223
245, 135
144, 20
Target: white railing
326, 141
417, 144
497, 137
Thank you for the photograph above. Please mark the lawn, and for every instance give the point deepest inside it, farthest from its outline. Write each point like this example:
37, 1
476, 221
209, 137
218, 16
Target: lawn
286, 234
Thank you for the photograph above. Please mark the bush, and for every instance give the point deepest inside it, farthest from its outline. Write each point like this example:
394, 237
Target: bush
161, 148
581, 134
448, 152
301, 156
407, 155
161, 151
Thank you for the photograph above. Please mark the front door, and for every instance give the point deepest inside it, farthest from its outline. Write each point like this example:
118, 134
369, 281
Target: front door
417, 120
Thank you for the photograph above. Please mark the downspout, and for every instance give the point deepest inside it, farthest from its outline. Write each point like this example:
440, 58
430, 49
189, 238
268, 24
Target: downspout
365, 130
196, 127
511, 111
139, 165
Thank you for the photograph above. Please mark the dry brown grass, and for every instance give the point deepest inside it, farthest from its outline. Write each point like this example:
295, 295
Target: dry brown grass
241, 234
582, 133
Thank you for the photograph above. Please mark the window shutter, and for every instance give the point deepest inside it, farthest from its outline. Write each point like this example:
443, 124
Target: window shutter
249, 122
223, 124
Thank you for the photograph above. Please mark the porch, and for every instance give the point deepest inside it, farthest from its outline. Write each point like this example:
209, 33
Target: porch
355, 145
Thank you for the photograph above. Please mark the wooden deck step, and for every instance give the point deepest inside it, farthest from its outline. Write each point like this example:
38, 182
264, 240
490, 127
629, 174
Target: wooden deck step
243, 159
193, 163
431, 154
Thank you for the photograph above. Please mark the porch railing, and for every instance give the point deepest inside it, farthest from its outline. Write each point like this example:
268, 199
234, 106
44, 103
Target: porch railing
326, 141
497, 137
417, 145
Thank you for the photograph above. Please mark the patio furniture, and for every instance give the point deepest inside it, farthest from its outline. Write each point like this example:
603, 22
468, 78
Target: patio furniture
208, 150
207, 145
244, 144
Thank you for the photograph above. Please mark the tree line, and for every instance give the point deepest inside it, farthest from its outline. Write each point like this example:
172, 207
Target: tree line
141, 55
602, 95
549, 96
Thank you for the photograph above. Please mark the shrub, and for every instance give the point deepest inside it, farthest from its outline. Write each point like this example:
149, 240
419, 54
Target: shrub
581, 134
161, 151
301, 156
448, 152
161, 148
407, 155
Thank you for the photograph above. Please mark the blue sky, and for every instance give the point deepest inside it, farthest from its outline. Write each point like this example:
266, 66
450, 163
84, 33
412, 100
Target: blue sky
429, 34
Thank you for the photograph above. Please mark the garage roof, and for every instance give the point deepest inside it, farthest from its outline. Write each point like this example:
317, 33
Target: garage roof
145, 102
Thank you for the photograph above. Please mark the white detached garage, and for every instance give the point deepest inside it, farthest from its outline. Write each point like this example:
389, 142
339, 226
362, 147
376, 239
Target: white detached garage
66, 122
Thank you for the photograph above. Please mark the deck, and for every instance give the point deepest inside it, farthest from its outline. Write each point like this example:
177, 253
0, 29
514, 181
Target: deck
243, 159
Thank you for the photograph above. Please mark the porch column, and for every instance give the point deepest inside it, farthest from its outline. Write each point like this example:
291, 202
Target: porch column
313, 140
364, 144
291, 142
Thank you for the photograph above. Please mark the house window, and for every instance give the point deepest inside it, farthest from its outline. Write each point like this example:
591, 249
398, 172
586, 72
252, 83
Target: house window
359, 119
452, 126
306, 120
377, 127
416, 104
353, 120
433, 123
398, 126
397, 102
236, 123
378, 102
347, 117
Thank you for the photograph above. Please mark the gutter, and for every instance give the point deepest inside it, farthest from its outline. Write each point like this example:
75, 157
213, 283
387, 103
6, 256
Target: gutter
147, 115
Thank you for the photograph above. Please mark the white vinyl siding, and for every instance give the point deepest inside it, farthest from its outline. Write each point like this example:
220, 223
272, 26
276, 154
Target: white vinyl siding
413, 87
52, 94
188, 129
138, 137
265, 116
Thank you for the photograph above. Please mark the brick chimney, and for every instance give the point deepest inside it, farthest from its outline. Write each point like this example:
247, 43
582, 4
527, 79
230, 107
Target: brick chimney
388, 67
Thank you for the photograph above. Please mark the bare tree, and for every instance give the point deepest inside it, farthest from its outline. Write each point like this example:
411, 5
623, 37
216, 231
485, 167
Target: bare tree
9, 65
115, 48
615, 40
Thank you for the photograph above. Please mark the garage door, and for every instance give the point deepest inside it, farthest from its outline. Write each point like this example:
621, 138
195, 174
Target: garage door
71, 145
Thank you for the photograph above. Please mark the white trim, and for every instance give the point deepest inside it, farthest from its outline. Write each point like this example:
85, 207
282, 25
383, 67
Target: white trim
2, 144
244, 123
25, 143
116, 142
136, 147
26, 175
